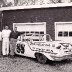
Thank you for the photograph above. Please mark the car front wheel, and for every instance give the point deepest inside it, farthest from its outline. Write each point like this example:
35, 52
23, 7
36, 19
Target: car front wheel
41, 58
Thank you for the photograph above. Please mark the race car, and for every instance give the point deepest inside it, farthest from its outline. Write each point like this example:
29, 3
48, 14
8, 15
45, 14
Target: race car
43, 50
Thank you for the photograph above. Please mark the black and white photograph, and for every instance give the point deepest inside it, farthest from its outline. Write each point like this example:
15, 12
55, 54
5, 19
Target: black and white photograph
35, 35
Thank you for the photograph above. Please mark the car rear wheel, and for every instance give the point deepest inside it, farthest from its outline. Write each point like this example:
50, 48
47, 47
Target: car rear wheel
41, 58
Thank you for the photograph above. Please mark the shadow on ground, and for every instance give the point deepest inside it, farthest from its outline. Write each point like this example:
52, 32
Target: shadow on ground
52, 63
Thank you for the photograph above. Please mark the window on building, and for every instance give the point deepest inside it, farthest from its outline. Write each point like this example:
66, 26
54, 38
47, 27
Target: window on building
36, 33
27, 33
42, 33
70, 33
32, 32
65, 33
60, 33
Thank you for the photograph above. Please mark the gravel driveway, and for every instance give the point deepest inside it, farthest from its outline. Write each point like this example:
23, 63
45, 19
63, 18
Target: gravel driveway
23, 64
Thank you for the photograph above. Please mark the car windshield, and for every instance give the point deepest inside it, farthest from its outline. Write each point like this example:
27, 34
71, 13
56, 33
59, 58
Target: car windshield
36, 37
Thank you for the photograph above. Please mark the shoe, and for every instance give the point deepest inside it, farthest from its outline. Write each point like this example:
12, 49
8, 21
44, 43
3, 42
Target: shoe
11, 56
4, 55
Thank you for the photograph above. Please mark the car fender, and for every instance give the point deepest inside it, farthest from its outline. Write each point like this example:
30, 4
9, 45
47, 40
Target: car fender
45, 54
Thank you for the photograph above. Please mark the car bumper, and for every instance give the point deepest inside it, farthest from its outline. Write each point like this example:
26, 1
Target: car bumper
59, 58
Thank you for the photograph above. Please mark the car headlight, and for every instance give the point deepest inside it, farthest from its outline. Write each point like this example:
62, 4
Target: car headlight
58, 47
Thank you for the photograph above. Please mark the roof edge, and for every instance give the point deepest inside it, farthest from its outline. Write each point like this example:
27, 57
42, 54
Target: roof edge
37, 6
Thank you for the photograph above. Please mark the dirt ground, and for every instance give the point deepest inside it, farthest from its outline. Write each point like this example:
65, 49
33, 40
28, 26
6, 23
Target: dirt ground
23, 64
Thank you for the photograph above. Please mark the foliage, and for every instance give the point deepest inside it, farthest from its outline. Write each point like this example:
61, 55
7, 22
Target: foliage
6, 3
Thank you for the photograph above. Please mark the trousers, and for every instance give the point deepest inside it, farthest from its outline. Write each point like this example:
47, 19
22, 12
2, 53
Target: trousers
5, 46
0, 48
12, 46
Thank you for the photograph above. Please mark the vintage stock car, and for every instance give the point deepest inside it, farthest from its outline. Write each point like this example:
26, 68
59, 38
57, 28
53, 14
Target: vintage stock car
43, 50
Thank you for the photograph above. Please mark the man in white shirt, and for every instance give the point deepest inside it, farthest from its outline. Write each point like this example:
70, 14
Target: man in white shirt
5, 40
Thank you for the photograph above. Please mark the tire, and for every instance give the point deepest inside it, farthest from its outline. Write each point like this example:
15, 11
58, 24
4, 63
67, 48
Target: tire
41, 58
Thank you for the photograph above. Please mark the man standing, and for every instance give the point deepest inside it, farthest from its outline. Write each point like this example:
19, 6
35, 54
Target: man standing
0, 43
5, 40
13, 39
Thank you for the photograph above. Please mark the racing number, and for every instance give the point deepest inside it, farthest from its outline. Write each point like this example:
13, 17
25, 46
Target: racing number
20, 48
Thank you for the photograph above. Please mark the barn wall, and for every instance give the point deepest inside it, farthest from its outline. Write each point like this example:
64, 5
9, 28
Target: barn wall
48, 15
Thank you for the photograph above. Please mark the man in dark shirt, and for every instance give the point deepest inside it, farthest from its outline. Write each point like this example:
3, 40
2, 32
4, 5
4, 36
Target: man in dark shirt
13, 39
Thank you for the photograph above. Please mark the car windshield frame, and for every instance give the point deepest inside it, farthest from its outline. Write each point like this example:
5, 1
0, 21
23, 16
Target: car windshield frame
40, 36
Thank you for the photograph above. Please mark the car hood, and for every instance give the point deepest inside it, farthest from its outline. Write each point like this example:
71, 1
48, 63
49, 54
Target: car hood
57, 43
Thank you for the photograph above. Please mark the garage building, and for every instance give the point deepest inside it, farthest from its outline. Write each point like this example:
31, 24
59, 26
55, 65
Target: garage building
53, 19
